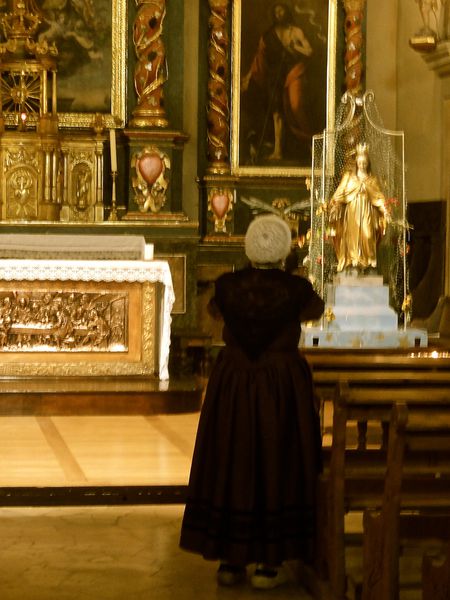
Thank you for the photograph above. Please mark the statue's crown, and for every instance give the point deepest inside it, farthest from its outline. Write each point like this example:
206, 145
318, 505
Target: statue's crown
362, 148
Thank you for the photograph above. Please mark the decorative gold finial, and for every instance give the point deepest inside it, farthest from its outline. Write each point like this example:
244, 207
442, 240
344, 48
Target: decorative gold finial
20, 27
329, 315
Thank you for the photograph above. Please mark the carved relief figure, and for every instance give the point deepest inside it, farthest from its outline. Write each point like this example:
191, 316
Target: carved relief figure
22, 204
83, 186
72, 321
97, 329
428, 11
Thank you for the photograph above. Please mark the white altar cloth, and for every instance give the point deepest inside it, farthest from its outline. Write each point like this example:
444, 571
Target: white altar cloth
102, 270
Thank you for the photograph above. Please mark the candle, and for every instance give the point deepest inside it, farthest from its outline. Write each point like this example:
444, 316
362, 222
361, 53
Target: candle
113, 150
148, 252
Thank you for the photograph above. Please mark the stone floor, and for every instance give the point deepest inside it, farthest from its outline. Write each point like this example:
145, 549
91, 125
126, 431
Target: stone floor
113, 552
110, 553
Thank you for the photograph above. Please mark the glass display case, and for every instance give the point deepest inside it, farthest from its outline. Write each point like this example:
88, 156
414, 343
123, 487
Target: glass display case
359, 232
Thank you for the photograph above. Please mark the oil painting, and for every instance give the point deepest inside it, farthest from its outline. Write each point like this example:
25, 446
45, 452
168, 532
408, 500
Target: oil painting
90, 37
283, 82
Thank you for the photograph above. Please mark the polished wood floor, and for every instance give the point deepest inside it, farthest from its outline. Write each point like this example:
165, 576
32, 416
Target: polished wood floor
57, 451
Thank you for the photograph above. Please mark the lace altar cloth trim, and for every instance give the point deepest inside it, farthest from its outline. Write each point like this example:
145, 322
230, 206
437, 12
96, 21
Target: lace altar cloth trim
73, 247
85, 270
100, 270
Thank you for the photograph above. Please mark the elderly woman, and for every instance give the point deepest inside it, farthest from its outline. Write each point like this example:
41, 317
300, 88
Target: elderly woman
251, 496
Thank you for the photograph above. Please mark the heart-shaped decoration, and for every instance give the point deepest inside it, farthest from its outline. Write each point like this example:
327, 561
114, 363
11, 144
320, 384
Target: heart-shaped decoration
150, 167
220, 204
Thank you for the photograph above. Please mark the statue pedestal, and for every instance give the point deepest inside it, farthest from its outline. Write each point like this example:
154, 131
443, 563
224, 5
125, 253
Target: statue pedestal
361, 303
317, 337
362, 318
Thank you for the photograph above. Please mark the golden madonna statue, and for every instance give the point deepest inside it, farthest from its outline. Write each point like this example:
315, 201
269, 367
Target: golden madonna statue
357, 216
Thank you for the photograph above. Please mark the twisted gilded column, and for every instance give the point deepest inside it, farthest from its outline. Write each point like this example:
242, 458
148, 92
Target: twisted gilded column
217, 110
150, 72
354, 14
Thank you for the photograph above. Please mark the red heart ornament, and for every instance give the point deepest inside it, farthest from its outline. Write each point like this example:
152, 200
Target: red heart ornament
220, 204
150, 167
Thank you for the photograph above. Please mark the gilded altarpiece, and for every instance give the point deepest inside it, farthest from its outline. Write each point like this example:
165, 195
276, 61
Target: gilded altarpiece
84, 318
21, 190
82, 193
59, 167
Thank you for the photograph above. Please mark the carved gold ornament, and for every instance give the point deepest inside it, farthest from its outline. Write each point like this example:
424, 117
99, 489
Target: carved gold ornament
329, 315
150, 180
71, 321
220, 203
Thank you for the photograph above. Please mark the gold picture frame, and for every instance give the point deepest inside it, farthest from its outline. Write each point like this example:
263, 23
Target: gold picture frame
91, 61
119, 59
251, 21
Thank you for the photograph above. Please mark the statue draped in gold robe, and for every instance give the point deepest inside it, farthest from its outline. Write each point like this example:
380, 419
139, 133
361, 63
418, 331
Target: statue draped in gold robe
357, 216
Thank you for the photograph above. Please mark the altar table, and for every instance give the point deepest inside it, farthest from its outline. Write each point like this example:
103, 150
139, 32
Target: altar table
85, 317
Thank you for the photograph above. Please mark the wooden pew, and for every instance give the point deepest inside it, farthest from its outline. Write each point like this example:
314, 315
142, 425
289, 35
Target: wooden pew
416, 500
332, 365
353, 476
371, 367
436, 576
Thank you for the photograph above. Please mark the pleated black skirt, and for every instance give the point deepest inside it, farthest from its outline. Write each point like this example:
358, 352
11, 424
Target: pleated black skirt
252, 486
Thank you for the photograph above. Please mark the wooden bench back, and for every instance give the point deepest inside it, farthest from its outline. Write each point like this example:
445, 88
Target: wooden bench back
366, 401
366, 367
354, 474
416, 497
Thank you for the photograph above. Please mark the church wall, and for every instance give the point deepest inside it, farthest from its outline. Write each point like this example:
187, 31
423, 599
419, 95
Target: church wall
410, 96
420, 112
408, 92
381, 57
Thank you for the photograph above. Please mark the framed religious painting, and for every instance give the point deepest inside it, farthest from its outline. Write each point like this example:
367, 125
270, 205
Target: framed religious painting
283, 78
91, 41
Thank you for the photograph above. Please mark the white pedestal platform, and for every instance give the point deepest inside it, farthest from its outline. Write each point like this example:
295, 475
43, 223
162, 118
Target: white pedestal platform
328, 338
359, 316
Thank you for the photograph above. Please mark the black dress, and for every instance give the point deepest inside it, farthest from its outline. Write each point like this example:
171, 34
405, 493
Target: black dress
251, 494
